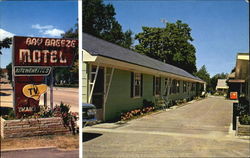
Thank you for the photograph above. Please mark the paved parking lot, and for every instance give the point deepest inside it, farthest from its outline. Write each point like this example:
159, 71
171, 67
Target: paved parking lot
199, 129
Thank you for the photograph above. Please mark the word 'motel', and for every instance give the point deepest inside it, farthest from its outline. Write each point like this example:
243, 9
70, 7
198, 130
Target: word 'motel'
45, 56
41, 56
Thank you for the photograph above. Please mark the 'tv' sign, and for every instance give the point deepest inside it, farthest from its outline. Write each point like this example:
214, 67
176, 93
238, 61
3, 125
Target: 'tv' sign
34, 91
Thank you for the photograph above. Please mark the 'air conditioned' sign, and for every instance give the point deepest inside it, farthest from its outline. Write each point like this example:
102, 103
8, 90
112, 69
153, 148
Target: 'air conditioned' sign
35, 51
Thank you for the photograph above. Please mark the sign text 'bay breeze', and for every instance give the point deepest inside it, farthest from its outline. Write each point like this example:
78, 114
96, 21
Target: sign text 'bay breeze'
45, 51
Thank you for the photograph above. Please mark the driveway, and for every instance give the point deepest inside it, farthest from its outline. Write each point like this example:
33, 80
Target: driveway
198, 129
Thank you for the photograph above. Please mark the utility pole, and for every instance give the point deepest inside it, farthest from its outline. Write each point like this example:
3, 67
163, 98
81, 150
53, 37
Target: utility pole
164, 21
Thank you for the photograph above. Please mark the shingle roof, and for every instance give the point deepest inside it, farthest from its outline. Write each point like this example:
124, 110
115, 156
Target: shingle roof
99, 47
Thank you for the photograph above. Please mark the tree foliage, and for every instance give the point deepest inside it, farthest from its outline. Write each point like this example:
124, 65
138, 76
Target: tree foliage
69, 75
1, 72
99, 20
5, 43
9, 69
204, 75
233, 70
171, 44
71, 33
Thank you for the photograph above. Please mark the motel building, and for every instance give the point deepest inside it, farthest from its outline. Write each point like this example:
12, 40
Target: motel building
239, 80
221, 86
116, 79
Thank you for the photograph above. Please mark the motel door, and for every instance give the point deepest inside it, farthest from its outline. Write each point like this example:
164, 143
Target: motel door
98, 92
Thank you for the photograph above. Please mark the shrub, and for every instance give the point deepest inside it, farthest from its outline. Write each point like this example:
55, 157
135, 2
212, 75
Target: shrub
8, 113
69, 118
146, 103
245, 119
63, 110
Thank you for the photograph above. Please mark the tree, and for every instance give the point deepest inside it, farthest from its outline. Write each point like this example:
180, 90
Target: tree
233, 70
215, 78
1, 72
9, 69
5, 43
204, 75
70, 75
99, 20
71, 33
170, 44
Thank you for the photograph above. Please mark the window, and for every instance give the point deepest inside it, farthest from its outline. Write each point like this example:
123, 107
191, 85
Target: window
173, 87
157, 85
193, 87
166, 87
136, 84
177, 86
246, 90
188, 86
184, 86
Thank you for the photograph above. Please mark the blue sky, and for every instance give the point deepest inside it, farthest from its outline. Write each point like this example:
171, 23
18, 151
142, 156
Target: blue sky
37, 18
220, 28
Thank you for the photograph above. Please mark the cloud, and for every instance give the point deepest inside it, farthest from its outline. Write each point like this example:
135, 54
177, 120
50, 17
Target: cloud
49, 30
54, 32
39, 27
4, 34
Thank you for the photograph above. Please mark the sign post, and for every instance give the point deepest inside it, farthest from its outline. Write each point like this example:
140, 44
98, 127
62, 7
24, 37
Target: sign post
51, 89
33, 59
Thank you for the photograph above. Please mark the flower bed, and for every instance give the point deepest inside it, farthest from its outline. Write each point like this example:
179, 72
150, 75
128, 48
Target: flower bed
135, 113
58, 120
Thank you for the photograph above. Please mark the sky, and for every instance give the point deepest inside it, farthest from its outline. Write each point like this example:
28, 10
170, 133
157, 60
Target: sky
37, 19
220, 28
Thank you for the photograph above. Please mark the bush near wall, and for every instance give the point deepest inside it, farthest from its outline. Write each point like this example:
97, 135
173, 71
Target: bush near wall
242, 130
244, 119
244, 115
147, 107
135, 113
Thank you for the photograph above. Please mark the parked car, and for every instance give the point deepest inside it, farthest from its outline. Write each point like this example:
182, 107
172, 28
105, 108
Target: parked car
88, 114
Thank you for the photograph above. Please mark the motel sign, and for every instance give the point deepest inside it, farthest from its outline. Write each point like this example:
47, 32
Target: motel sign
43, 51
33, 59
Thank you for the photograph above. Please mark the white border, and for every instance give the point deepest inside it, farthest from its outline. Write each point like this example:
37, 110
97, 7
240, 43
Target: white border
80, 60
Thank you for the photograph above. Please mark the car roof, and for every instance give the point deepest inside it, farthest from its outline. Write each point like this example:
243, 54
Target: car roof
87, 105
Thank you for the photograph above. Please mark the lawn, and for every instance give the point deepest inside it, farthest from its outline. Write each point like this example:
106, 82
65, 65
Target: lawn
64, 142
